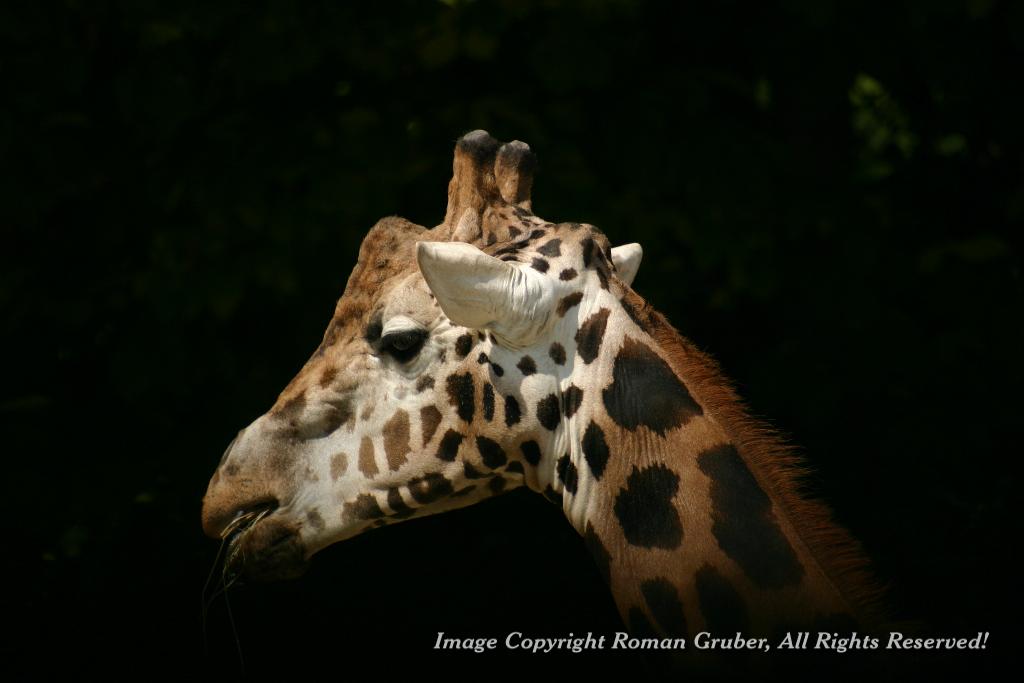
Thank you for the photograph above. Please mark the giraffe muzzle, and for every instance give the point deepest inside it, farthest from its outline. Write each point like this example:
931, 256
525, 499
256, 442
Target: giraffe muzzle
262, 547
246, 519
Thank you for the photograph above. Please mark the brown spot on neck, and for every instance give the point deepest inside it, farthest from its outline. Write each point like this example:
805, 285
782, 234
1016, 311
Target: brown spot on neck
568, 301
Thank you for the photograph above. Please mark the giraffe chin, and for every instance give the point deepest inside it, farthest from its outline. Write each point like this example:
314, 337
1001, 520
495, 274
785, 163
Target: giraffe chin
270, 550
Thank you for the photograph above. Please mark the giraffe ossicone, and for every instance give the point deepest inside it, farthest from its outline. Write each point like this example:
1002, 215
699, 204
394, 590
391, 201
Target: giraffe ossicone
499, 350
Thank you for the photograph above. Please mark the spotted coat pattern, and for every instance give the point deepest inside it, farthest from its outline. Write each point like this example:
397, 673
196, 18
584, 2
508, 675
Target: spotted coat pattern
400, 413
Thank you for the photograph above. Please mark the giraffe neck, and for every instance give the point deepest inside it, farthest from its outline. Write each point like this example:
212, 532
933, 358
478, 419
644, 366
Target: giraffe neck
688, 506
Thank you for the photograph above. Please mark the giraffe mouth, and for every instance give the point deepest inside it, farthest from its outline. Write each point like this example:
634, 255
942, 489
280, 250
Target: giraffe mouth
245, 520
262, 547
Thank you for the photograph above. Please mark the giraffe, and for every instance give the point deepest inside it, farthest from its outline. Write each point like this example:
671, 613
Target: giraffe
500, 350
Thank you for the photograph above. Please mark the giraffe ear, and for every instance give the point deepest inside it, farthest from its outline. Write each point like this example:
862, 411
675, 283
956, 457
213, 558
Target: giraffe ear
481, 292
626, 259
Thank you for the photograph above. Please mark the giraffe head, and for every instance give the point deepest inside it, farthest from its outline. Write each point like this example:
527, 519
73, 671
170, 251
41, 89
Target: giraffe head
444, 376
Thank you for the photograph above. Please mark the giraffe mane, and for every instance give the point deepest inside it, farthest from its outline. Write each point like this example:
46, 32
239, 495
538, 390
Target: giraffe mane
775, 463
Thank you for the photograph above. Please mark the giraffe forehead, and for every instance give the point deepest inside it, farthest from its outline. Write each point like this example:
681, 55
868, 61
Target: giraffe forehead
386, 261
409, 305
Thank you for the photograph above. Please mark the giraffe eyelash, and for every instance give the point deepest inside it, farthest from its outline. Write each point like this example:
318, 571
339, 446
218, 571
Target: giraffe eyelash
403, 345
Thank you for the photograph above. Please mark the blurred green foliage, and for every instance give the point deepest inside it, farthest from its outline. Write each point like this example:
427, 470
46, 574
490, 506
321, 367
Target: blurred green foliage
829, 195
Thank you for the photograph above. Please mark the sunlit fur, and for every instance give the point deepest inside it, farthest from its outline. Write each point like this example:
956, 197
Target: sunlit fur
603, 408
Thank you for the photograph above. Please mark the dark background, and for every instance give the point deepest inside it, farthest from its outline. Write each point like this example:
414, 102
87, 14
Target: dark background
830, 198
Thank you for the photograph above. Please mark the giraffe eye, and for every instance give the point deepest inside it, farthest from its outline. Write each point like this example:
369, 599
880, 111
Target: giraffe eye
403, 345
